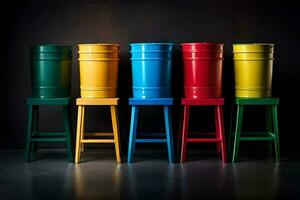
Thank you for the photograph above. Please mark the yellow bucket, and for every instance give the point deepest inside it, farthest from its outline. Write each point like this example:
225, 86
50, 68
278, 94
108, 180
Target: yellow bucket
98, 64
253, 69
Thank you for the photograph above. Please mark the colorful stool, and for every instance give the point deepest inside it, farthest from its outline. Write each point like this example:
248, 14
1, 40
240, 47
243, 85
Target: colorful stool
272, 124
81, 140
220, 136
136, 103
34, 135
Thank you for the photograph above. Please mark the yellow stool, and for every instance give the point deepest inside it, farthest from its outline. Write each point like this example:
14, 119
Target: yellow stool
80, 138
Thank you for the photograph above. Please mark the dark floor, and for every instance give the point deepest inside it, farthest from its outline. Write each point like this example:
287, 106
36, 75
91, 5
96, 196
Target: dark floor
50, 176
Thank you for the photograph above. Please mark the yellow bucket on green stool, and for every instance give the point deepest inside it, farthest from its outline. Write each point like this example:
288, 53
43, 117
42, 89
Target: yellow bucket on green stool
253, 69
98, 65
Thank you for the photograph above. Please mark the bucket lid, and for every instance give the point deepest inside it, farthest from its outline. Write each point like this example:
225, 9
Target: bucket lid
51, 48
252, 47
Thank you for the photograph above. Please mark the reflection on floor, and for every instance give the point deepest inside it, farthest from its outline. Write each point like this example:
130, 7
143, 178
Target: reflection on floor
51, 176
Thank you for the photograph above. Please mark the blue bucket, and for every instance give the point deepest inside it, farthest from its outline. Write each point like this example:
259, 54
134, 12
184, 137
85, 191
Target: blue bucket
151, 69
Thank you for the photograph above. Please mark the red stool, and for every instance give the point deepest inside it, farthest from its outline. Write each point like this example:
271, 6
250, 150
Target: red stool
219, 121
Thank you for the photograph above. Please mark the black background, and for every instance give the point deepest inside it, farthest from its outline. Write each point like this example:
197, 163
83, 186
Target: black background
72, 22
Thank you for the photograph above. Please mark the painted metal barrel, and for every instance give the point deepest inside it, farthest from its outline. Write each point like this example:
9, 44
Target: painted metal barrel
202, 67
98, 65
51, 71
151, 69
253, 68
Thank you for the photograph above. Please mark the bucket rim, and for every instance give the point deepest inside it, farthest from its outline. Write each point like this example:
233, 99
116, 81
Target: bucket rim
99, 52
50, 48
202, 43
254, 44
151, 43
50, 45
98, 44
151, 51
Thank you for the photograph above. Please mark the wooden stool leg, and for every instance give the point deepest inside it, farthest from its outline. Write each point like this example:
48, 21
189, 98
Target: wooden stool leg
115, 125
82, 129
238, 128
169, 134
69, 145
221, 132
219, 150
28, 134
185, 129
78, 135
269, 123
276, 132
35, 126
132, 134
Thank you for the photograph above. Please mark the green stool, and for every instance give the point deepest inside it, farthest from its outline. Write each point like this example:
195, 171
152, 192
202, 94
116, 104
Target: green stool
271, 134
33, 134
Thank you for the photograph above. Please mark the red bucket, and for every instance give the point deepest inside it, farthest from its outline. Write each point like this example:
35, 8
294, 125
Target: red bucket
203, 63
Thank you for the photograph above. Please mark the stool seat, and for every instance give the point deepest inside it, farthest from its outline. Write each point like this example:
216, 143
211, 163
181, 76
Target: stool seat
202, 101
219, 136
151, 102
34, 135
271, 134
257, 101
98, 102
81, 134
136, 103
48, 101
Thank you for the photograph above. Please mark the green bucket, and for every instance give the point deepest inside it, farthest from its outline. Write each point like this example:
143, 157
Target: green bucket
51, 71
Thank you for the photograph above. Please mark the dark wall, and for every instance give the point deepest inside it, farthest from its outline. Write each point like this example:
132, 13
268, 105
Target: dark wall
72, 22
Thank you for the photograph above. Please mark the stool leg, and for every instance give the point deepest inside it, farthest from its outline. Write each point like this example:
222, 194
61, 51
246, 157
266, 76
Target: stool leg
221, 132
219, 149
269, 124
169, 133
179, 132
68, 132
35, 126
185, 129
276, 132
82, 129
78, 135
28, 134
231, 133
115, 125
238, 128
132, 134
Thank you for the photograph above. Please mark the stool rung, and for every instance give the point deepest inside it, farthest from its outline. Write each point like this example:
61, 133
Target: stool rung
261, 138
271, 134
47, 139
152, 134
203, 140
47, 134
151, 140
256, 133
98, 134
98, 141
203, 134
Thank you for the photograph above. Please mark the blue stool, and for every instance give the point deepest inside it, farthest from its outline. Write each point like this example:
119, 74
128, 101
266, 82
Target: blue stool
136, 103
